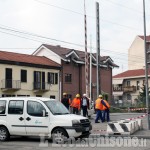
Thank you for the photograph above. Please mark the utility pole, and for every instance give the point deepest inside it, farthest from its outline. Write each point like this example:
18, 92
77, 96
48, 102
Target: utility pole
146, 67
98, 50
90, 67
86, 55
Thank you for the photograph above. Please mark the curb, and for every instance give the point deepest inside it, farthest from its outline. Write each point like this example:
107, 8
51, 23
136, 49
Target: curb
106, 135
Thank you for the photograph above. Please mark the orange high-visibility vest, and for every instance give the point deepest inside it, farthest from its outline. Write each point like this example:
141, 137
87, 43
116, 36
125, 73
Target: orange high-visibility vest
76, 103
98, 104
107, 104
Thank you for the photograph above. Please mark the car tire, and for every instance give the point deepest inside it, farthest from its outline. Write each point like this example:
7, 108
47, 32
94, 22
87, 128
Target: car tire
59, 136
4, 134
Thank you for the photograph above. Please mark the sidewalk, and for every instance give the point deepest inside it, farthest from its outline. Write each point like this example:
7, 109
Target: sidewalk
101, 128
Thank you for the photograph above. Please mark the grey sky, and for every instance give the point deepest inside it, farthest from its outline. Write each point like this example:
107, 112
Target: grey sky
121, 21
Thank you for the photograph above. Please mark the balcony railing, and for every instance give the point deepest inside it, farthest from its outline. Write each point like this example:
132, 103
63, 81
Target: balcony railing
129, 89
43, 86
11, 84
117, 89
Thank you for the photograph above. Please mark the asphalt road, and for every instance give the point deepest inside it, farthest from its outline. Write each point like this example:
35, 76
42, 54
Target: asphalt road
20, 143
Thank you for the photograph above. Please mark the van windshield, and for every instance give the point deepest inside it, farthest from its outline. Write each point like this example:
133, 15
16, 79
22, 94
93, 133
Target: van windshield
56, 107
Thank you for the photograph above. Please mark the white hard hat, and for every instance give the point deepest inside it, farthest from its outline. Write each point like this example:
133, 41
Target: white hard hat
84, 94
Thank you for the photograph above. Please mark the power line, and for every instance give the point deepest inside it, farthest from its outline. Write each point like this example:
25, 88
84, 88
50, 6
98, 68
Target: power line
39, 36
69, 10
15, 48
42, 37
124, 6
43, 42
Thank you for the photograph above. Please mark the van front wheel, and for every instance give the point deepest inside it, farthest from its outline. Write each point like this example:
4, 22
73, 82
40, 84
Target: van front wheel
59, 136
4, 134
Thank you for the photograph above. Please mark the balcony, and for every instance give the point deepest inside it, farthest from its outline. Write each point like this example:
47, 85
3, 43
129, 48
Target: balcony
10, 85
117, 89
129, 89
41, 86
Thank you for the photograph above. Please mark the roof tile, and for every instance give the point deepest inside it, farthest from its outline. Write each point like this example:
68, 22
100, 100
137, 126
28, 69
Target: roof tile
31, 59
131, 73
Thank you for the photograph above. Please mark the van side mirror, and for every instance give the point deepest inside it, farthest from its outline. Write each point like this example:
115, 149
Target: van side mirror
45, 114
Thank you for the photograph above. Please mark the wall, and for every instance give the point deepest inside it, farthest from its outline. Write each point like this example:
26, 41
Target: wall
136, 54
74, 87
27, 88
43, 51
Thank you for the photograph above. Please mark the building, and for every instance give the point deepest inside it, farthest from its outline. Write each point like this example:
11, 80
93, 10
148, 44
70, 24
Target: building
136, 53
28, 75
73, 69
127, 85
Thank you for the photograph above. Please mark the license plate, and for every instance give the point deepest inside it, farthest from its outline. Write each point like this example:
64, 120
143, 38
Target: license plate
87, 129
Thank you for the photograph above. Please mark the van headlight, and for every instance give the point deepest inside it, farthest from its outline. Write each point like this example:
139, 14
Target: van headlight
76, 123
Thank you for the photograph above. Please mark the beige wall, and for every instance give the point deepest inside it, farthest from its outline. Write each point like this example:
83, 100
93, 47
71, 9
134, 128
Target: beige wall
27, 88
136, 54
133, 82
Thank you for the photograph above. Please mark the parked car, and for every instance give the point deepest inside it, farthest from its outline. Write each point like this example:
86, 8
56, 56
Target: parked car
34, 116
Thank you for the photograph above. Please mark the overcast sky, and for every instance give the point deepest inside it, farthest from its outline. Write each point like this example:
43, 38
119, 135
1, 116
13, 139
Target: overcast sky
63, 20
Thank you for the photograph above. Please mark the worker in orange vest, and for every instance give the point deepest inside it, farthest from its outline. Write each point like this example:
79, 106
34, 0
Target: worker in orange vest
106, 111
76, 104
99, 108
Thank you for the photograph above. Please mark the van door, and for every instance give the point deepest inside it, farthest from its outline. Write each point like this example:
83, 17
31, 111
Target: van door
35, 122
15, 117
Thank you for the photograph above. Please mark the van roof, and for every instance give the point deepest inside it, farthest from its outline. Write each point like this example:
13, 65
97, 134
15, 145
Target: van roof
27, 98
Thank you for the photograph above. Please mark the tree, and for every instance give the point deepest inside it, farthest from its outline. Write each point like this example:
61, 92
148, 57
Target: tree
142, 94
105, 96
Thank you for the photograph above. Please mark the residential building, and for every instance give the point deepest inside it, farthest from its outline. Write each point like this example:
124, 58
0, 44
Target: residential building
28, 75
127, 85
136, 53
73, 69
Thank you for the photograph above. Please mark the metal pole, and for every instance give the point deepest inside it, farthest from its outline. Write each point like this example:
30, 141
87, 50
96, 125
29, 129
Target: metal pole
90, 67
86, 54
98, 50
146, 67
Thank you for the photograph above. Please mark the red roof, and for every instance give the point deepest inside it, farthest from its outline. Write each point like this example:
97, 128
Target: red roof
147, 38
24, 58
131, 73
61, 51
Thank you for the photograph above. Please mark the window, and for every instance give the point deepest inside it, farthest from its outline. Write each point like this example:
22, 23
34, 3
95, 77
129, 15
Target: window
7, 95
56, 78
128, 97
148, 57
23, 95
15, 107
23, 75
52, 96
143, 82
2, 107
37, 80
35, 108
68, 78
38, 95
128, 83
50, 78
138, 85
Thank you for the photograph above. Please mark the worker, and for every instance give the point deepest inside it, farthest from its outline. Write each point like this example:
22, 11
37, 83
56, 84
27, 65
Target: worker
76, 104
106, 111
65, 100
84, 104
99, 108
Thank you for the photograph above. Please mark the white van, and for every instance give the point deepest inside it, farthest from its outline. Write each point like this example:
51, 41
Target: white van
34, 116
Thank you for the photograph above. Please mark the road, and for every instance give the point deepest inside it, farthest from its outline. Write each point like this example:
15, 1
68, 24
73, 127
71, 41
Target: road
20, 143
